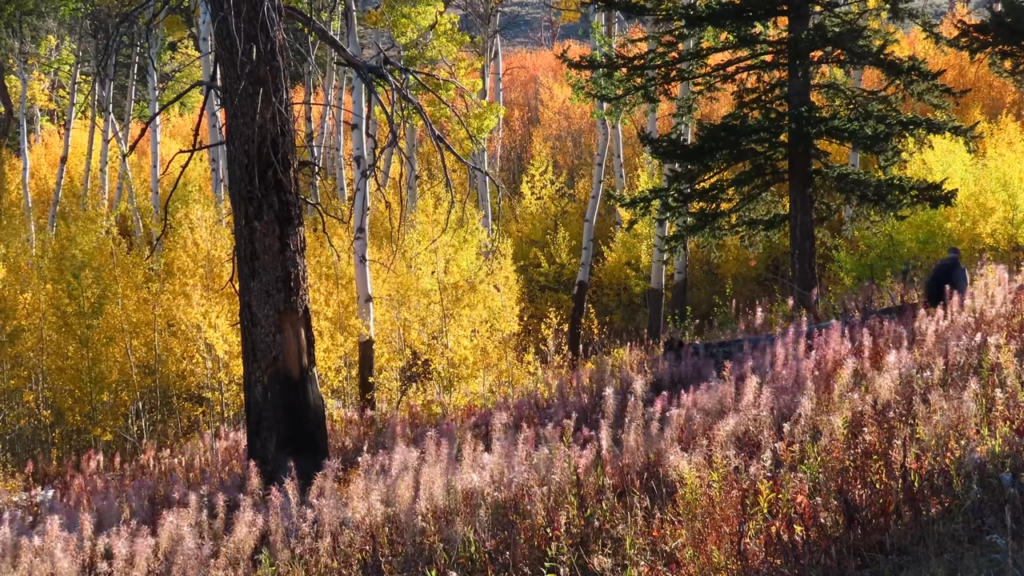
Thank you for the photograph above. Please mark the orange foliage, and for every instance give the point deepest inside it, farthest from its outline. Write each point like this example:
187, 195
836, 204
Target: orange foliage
990, 95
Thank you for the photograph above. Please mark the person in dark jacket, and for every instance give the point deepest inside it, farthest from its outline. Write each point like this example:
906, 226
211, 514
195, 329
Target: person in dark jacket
947, 273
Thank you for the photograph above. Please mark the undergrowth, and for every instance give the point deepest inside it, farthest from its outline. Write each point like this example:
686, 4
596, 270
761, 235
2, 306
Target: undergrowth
885, 449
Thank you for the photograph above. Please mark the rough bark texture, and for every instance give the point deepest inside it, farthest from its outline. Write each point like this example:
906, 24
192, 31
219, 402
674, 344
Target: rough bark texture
801, 146
7, 120
284, 410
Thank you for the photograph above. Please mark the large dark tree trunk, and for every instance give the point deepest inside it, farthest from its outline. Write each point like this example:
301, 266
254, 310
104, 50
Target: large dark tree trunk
7, 120
801, 149
284, 410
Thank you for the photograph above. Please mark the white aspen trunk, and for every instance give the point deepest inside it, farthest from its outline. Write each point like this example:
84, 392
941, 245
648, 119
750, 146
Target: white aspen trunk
361, 218
69, 124
310, 137
120, 140
372, 125
325, 125
656, 294
341, 173
93, 110
681, 258
108, 119
483, 184
680, 273
126, 127
499, 97
596, 185
37, 123
385, 170
25, 162
412, 170
215, 132
152, 68
579, 296
618, 162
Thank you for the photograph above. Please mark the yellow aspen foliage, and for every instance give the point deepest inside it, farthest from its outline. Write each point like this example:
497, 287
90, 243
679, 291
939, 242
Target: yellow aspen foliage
986, 218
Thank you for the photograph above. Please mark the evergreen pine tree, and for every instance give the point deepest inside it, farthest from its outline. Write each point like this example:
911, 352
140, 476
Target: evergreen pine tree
780, 155
1000, 37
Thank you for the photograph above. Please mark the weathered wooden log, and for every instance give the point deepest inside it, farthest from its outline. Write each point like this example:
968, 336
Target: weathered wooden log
723, 351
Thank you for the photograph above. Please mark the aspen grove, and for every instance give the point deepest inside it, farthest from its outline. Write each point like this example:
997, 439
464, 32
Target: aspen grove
424, 286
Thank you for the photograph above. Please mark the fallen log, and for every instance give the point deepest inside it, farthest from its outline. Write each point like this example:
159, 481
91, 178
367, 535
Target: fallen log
722, 351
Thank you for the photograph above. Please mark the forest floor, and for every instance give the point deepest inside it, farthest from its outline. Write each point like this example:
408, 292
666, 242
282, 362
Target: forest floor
892, 449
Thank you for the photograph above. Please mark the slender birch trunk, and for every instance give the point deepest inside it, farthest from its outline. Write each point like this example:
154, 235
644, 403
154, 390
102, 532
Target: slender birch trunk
412, 164
579, 296
680, 275
325, 125
37, 123
483, 183
499, 97
680, 262
681, 258
217, 152
618, 162
656, 294
152, 70
121, 141
310, 135
361, 219
108, 120
25, 162
129, 111
341, 173
857, 78
69, 124
93, 110
389, 158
